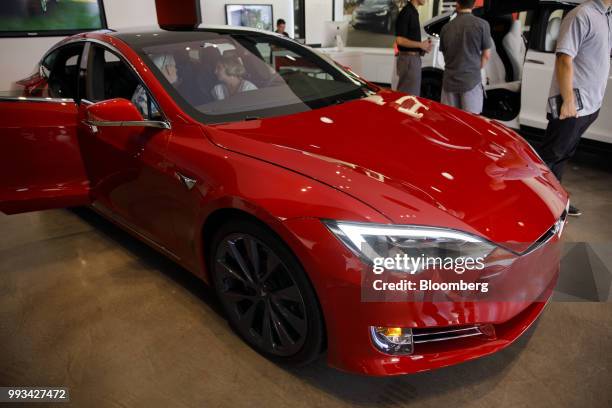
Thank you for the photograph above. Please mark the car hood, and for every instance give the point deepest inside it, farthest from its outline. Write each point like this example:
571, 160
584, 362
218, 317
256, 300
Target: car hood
447, 168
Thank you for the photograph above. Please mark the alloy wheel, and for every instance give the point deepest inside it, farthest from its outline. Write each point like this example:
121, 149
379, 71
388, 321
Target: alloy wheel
263, 300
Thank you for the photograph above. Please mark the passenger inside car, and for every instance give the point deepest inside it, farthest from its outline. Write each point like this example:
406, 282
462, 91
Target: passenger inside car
231, 72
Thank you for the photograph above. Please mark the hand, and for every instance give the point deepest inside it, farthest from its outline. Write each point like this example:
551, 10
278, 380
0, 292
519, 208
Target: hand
426, 46
568, 110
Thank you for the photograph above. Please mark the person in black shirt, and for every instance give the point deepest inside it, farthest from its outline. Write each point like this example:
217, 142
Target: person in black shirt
411, 48
280, 27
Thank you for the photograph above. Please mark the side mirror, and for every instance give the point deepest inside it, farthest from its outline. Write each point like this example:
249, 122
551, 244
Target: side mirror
119, 113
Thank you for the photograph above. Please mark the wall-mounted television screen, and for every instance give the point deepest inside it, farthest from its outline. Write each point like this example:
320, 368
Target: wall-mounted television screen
250, 15
50, 17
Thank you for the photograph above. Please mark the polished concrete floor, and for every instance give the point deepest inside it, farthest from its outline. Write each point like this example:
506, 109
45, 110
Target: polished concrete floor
85, 306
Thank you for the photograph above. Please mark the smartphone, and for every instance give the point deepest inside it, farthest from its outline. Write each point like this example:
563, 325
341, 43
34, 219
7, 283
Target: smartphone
555, 103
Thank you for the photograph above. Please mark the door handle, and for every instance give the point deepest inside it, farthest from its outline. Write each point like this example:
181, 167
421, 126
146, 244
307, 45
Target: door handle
536, 61
188, 182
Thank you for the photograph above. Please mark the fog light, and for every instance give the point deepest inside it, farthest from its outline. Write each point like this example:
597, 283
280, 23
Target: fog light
392, 340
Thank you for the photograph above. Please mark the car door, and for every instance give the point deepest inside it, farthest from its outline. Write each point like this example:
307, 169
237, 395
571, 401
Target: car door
501, 7
41, 161
126, 164
540, 64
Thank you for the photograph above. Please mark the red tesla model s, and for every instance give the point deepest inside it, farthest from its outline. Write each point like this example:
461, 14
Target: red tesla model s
279, 177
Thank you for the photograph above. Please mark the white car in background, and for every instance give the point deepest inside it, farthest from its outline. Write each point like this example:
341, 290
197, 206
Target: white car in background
517, 79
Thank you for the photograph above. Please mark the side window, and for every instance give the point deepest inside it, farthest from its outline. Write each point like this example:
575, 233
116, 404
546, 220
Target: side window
60, 69
110, 77
550, 22
526, 19
552, 30
286, 62
265, 51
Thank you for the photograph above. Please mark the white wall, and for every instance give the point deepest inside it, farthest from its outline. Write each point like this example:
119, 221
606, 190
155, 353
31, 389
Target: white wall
317, 13
130, 13
19, 56
339, 9
213, 11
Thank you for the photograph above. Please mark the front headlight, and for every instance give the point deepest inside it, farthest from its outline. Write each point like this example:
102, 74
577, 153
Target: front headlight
382, 13
372, 241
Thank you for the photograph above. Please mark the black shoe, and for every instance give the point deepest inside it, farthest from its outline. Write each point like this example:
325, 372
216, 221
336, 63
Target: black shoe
574, 212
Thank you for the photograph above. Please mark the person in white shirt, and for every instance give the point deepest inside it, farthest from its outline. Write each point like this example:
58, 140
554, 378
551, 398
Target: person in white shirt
230, 72
582, 68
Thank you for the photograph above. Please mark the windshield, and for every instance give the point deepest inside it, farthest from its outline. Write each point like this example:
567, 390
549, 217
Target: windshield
224, 77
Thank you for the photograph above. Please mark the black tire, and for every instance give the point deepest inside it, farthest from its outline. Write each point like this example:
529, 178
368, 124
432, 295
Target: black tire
271, 306
431, 86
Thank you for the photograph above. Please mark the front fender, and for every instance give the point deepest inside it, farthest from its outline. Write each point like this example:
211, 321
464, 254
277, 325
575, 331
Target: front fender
264, 191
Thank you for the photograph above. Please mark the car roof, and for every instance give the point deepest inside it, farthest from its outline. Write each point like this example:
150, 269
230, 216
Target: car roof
450, 12
563, 1
134, 34
445, 15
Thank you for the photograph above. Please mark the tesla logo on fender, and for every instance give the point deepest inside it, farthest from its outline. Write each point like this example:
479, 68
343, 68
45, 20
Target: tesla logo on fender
408, 105
188, 182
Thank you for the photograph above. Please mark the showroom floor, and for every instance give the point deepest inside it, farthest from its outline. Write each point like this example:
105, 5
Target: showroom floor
83, 305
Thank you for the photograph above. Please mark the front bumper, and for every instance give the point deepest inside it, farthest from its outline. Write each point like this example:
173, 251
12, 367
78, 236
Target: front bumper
336, 275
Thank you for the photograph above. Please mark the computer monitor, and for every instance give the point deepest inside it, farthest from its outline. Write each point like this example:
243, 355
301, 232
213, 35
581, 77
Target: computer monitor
250, 15
331, 29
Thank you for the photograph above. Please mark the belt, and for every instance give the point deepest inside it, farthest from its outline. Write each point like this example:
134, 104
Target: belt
411, 53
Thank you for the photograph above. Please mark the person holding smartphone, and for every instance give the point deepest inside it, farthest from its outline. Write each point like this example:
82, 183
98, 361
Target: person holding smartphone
579, 82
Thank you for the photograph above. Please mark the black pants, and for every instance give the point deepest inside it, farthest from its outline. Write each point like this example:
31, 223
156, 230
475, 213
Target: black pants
561, 140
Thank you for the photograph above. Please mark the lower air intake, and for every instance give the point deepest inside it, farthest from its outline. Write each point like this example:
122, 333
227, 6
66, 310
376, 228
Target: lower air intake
451, 333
